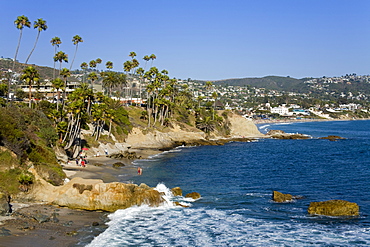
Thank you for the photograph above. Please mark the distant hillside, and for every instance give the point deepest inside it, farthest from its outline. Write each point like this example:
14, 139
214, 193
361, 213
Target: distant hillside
268, 82
45, 72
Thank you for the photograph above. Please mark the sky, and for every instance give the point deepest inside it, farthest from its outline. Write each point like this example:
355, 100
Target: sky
200, 39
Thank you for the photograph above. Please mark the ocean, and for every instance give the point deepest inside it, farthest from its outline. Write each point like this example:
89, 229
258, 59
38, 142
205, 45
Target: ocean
236, 182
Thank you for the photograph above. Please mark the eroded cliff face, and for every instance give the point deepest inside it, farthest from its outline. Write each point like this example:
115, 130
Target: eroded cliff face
242, 127
239, 126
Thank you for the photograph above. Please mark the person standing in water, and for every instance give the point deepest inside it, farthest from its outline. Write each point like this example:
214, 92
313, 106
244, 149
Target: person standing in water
139, 171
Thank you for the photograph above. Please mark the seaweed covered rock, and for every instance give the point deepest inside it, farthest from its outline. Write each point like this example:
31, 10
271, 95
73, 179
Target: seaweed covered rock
334, 208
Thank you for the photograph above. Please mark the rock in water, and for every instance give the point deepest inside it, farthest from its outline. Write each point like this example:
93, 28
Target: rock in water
334, 208
177, 191
280, 197
194, 195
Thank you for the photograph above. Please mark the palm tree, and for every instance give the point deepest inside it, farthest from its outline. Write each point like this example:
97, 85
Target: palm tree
92, 77
76, 39
58, 84
132, 54
214, 96
55, 42
92, 64
65, 73
60, 57
146, 58
30, 76
84, 66
21, 22
110, 80
152, 57
98, 61
40, 24
109, 65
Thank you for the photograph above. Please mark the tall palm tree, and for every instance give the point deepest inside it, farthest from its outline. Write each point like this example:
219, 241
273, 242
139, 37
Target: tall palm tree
109, 65
40, 24
98, 61
92, 77
152, 57
110, 80
58, 84
132, 54
92, 64
65, 73
61, 57
55, 42
84, 66
30, 75
21, 22
76, 39
214, 96
146, 58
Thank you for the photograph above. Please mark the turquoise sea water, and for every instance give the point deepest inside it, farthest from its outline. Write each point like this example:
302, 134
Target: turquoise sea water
236, 183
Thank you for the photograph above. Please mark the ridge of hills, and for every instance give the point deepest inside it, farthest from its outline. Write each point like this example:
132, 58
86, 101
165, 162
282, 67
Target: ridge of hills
269, 82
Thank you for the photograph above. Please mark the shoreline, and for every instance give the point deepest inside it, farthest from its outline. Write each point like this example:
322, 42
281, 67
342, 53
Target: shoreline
64, 226
275, 121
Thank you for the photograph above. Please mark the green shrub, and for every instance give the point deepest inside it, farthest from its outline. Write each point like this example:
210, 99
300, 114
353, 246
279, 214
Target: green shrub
26, 178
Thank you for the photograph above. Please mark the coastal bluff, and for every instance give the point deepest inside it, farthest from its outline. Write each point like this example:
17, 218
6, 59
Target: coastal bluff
140, 138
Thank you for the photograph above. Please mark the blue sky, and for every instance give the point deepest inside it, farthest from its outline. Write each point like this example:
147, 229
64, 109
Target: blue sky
197, 39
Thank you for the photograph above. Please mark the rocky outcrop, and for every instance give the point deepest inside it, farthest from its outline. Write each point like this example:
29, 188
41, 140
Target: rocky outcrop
279, 134
125, 155
194, 195
280, 197
332, 138
334, 208
4, 204
94, 194
177, 191
242, 127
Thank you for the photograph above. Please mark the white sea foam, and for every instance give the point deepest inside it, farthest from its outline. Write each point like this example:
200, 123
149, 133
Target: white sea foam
170, 225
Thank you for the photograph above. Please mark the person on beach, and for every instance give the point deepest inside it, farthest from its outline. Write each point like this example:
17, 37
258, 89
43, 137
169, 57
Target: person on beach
139, 171
83, 163
77, 163
106, 151
97, 154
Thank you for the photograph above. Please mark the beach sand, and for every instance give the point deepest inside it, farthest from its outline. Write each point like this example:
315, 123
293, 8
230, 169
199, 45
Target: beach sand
71, 226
